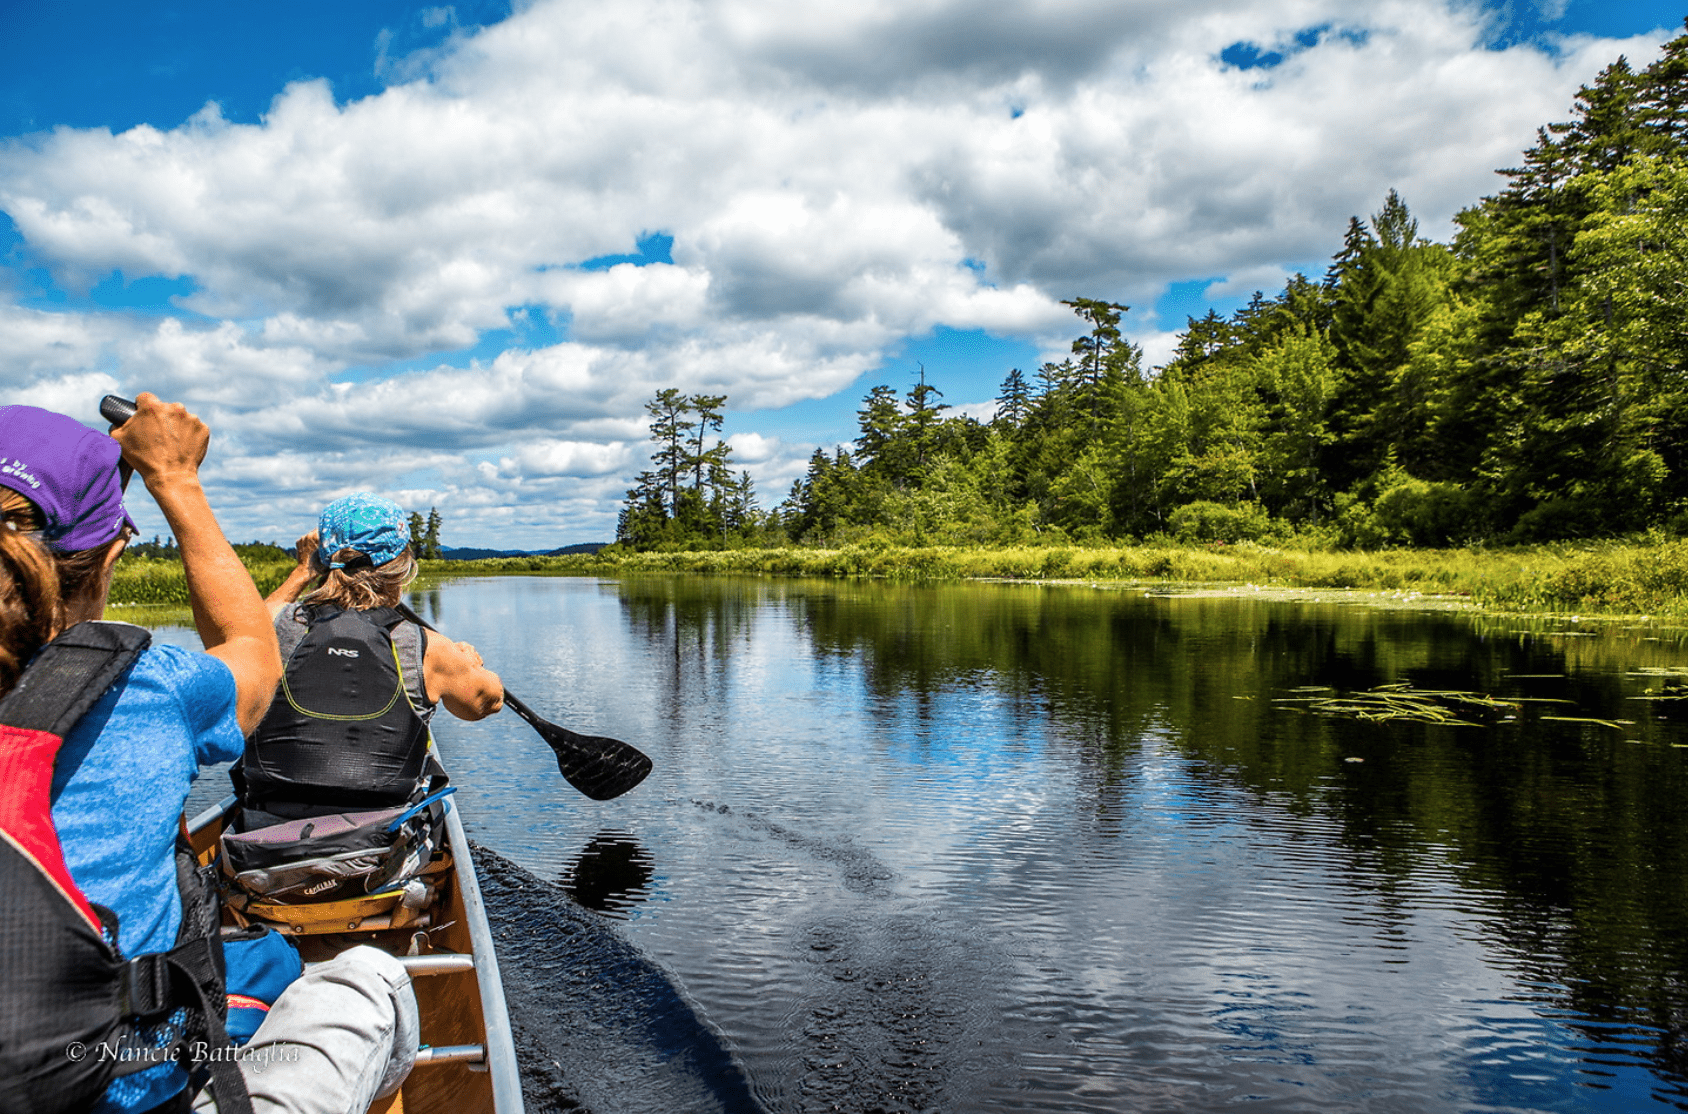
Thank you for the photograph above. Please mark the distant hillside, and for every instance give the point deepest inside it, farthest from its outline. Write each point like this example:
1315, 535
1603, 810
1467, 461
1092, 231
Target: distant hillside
470, 553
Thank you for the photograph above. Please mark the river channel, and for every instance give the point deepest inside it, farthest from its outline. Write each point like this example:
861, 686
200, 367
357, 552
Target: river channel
993, 847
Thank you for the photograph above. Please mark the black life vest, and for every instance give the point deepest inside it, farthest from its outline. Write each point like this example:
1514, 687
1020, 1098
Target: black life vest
342, 731
74, 1013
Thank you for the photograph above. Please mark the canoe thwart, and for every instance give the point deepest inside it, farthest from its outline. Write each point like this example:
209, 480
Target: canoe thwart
451, 1054
437, 964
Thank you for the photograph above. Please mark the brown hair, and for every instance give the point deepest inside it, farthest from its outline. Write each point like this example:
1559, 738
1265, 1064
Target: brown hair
366, 586
36, 584
29, 588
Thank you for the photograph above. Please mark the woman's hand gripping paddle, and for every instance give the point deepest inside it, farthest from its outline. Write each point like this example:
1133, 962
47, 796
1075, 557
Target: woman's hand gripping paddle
598, 766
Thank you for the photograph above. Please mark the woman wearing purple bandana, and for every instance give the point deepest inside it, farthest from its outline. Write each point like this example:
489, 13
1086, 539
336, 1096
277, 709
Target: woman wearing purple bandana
122, 775
121, 778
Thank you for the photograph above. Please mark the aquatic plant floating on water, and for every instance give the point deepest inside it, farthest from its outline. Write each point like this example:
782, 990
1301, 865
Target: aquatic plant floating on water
1669, 690
1614, 724
1400, 701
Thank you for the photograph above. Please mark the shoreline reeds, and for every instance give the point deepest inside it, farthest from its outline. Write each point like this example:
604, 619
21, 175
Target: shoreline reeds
1608, 578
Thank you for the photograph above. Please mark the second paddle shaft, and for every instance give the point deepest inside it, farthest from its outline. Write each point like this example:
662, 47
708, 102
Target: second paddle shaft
116, 409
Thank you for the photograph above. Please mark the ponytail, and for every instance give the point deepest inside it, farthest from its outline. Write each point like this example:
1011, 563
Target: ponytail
364, 587
30, 596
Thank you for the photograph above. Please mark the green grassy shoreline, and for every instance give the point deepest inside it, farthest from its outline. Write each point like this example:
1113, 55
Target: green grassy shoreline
1607, 578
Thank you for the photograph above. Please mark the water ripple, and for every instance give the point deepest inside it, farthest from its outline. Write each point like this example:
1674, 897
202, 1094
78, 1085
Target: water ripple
995, 848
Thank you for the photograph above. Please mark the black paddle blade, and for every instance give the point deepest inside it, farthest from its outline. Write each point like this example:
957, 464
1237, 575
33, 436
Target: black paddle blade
598, 766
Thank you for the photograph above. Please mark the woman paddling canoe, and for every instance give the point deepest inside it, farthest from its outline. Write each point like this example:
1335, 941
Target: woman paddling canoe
95, 950
349, 726
345, 749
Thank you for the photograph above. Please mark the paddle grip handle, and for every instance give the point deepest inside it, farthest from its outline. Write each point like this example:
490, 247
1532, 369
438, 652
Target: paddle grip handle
116, 409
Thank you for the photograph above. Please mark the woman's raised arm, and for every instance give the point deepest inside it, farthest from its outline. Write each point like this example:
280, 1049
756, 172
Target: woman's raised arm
165, 445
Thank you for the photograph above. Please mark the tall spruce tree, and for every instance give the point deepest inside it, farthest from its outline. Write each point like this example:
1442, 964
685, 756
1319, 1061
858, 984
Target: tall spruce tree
671, 428
431, 535
1013, 399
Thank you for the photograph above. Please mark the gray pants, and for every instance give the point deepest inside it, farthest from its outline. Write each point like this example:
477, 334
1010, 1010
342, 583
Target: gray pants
341, 1036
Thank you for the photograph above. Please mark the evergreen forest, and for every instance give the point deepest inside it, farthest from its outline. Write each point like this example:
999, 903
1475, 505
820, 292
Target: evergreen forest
1526, 382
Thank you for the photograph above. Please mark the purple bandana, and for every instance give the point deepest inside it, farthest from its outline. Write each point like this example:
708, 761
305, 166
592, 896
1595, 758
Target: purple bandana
66, 469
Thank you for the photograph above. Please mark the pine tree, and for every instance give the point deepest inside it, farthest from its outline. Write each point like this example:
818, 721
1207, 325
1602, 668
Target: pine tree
1660, 106
1355, 242
1203, 339
431, 535
709, 417
882, 443
1388, 286
1608, 128
823, 499
737, 505
1095, 351
1014, 399
644, 521
922, 427
670, 429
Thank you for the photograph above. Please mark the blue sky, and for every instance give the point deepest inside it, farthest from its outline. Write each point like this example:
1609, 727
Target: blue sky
447, 251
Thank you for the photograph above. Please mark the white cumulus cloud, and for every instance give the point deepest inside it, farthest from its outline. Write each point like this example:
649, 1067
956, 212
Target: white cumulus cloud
835, 177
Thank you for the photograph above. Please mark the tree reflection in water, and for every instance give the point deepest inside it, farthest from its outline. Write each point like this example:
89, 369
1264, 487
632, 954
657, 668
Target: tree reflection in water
1567, 840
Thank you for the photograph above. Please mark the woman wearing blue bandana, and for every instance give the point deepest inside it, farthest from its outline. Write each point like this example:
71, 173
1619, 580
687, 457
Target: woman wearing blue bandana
347, 730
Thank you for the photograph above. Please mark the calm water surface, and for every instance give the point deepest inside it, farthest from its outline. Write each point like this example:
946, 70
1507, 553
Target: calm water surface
1003, 848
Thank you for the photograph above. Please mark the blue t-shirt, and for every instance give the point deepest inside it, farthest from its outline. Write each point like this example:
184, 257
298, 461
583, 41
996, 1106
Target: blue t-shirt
119, 785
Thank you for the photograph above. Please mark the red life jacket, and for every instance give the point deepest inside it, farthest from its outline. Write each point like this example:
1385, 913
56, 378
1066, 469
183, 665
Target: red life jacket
74, 1013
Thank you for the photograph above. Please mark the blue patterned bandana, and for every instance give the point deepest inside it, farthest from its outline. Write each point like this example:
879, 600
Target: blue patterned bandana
365, 522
